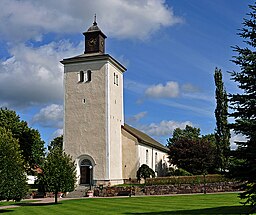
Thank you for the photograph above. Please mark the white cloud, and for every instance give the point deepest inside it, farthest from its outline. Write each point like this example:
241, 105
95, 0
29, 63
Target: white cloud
29, 19
189, 88
236, 138
57, 133
170, 90
50, 116
163, 128
136, 117
34, 75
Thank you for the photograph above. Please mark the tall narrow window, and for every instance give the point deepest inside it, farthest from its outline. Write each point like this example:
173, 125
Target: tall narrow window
156, 161
81, 76
85, 76
88, 76
146, 156
116, 80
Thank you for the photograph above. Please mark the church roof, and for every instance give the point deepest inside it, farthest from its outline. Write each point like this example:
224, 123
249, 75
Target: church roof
144, 138
94, 28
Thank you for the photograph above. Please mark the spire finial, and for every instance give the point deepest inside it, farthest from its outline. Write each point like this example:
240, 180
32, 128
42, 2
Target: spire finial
95, 23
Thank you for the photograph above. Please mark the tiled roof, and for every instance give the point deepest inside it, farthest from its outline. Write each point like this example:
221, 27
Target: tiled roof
144, 138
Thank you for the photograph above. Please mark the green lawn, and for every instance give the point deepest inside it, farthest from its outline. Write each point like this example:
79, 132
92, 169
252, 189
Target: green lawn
180, 204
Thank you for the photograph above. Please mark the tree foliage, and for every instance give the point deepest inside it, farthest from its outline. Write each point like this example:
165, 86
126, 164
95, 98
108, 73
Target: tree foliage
243, 105
59, 172
191, 152
222, 132
145, 172
29, 139
188, 133
13, 180
56, 142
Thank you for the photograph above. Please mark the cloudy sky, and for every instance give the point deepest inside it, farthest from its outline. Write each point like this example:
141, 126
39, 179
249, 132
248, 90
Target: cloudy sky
170, 49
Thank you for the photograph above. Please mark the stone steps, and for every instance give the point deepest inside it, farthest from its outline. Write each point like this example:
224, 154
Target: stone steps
79, 192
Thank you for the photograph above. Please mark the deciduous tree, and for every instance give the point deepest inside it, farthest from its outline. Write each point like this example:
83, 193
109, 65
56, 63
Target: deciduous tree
188, 133
13, 180
29, 139
191, 152
56, 142
59, 172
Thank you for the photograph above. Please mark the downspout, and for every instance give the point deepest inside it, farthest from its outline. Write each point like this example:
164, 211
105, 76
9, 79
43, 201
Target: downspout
152, 158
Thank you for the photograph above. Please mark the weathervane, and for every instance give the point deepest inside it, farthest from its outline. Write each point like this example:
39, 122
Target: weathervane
95, 23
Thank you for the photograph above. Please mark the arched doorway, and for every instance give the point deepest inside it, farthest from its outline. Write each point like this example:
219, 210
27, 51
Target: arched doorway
86, 172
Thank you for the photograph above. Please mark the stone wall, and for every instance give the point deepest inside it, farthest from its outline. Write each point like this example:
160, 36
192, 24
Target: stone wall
167, 189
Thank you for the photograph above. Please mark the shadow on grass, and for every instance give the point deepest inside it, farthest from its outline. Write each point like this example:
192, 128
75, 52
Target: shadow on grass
217, 210
5, 210
37, 203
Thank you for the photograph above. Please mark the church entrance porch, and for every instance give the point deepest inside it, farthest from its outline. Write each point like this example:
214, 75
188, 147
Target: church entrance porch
86, 172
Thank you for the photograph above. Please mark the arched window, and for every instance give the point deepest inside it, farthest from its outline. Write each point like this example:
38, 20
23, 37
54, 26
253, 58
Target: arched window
88, 76
81, 76
85, 162
85, 76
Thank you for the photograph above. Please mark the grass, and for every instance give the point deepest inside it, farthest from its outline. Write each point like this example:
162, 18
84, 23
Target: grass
152, 205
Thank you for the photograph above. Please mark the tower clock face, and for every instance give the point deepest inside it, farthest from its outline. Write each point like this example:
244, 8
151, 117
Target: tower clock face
92, 42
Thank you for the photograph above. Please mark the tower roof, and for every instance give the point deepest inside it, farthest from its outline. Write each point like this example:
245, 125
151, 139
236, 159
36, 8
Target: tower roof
94, 29
94, 26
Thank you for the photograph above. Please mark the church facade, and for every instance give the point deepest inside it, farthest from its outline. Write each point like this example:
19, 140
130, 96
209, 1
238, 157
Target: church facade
104, 148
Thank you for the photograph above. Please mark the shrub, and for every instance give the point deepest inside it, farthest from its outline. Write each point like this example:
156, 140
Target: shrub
196, 179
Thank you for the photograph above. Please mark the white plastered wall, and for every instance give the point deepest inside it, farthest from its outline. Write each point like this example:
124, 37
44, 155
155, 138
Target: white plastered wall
116, 119
85, 115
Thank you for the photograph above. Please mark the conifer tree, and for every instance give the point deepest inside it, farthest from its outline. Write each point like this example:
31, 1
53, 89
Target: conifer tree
243, 106
222, 132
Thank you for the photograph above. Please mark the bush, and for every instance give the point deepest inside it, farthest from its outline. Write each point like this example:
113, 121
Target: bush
196, 179
179, 172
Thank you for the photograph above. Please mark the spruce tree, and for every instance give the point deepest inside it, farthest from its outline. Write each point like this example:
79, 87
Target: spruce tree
243, 105
222, 132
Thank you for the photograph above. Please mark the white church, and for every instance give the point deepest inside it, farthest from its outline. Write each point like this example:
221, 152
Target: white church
105, 149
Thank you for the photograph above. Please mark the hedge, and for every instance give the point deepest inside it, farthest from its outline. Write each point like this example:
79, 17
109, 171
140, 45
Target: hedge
195, 179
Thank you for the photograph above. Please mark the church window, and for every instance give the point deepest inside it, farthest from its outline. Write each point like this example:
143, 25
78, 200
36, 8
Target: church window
115, 79
146, 156
156, 160
88, 76
85, 76
81, 76
85, 162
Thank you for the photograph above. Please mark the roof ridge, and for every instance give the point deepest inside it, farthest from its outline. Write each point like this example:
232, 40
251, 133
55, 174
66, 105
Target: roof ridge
144, 138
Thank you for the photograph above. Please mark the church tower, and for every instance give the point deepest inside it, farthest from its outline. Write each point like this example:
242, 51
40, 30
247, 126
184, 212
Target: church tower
93, 111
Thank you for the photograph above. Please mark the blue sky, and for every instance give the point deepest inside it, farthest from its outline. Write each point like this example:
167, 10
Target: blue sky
170, 49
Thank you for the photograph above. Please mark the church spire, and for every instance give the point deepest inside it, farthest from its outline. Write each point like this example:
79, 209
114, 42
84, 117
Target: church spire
94, 39
94, 23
